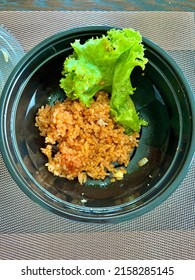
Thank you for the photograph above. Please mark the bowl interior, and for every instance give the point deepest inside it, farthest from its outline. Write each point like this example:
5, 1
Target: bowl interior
160, 98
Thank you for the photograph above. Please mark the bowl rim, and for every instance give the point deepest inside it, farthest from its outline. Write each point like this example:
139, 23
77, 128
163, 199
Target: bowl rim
107, 211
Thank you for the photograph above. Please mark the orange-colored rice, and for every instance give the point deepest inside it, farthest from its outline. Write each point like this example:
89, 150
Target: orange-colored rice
88, 139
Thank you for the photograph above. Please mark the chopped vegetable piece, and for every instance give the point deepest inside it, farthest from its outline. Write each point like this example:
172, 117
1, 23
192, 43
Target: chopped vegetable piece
143, 161
5, 55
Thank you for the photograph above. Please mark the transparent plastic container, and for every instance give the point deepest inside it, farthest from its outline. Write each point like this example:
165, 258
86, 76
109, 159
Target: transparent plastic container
10, 53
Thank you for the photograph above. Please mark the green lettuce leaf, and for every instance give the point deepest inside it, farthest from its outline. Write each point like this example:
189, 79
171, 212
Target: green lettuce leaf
106, 63
122, 106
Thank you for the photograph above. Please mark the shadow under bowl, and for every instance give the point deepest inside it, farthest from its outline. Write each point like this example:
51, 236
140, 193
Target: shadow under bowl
163, 98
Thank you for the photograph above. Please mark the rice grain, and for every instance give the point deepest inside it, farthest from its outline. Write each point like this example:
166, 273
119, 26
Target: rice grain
88, 140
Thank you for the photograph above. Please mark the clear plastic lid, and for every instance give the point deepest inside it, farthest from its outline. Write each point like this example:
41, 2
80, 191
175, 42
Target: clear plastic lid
10, 53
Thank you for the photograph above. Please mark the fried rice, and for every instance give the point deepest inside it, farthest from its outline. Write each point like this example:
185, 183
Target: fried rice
84, 141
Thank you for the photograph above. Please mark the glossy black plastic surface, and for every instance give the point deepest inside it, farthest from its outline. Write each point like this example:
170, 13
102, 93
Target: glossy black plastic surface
163, 97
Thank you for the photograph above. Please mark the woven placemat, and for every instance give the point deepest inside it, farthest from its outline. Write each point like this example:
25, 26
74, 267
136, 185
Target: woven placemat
168, 232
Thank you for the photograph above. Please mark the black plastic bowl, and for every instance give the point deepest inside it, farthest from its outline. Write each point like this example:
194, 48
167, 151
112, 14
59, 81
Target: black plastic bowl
163, 97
